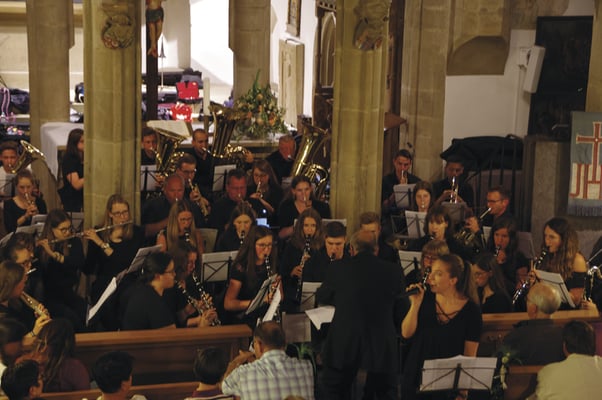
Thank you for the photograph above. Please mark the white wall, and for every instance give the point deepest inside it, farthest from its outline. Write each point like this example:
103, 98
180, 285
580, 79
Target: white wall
495, 105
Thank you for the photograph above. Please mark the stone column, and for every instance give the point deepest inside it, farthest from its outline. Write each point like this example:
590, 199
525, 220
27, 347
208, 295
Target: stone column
594, 85
358, 117
49, 37
249, 40
425, 44
112, 107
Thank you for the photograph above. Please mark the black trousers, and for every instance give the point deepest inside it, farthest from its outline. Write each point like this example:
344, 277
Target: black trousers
336, 384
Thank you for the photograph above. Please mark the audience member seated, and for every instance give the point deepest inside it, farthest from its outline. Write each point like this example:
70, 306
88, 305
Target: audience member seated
12, 333
301, 197
144, 304
243, 217
454, 173
209, 368
580, 375
19, 210
265, 188
268, 373
204, 162
236, 192
282, 160
493, 296
9, 154
498, 200
112, 372
13, 278
402, 164
23, 381
61, 258
72, 167
54, 349
538, 340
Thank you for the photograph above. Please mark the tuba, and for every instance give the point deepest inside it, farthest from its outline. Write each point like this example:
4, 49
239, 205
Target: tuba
313, 140
166, 156
225, 120
29, 154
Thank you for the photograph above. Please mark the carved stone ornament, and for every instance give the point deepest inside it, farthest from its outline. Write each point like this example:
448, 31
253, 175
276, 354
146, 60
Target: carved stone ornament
370, 30
118, 32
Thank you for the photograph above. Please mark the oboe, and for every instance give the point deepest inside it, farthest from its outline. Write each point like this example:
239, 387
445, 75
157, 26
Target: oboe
304, 257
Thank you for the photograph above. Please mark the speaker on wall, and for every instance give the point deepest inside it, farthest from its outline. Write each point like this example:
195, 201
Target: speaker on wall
536, 55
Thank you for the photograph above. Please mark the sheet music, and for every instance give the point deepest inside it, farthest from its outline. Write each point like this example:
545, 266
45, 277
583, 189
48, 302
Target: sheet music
138, 260
320, 315
415, 223
265, 286
308, 295
269, 315
110, 289
409, 260
403, 195
476, 373
214, 266
556, 281
219, 176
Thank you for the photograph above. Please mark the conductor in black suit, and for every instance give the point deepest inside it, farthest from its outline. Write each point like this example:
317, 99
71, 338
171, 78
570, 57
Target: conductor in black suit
363, 335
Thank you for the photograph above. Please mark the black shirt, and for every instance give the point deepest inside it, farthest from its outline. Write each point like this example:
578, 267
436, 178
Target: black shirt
281, 166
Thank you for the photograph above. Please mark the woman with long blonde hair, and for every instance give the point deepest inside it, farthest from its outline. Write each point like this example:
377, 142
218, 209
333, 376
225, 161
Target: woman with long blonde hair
181, 228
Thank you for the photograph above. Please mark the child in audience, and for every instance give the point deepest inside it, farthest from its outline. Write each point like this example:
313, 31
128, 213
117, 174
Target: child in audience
23, 381
209, 368
113, 375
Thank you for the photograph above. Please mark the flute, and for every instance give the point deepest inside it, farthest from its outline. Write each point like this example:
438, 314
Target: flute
81, 234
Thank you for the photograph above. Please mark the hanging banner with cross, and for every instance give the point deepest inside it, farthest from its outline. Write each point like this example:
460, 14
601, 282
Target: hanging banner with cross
585, 191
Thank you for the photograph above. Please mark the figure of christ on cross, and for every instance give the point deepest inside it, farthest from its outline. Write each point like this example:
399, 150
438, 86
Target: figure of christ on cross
154, 22
585, 179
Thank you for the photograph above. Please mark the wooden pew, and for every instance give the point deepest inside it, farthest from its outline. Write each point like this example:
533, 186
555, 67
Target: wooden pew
497, 326
521, 381
162, 355
164, 391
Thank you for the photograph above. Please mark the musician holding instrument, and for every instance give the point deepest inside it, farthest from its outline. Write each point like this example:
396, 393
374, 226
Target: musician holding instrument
431, 251
564, 257
423, 196
72, 166
9, 154
307, 240
242, 219
402, 164
204, 162
282, 160
19, 210
265, 188
317, 265
181, 229
251, 267
301, 197
61, 257
488, 279
452, 187
186, 168
443, 322
498, 200
13, 301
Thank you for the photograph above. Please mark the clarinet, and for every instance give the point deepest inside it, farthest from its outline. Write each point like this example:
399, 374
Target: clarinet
304, 257
242, 237
191, 300
205, 298
526, 285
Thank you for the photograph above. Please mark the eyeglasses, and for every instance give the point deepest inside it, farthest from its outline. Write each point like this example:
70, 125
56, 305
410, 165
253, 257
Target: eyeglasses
120, 213
263, 245
66, 229
430, 258
493, 201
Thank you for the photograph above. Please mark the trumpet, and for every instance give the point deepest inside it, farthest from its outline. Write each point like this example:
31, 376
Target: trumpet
81, 234
404, 177
304, 257
37, 307
454, 188
526, 285
194, 188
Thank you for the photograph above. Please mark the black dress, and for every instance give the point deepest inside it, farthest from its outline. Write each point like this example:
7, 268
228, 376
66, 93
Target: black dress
287, 212
73, 200
145, 309
496, 303
248, 291
12, 212
434, 339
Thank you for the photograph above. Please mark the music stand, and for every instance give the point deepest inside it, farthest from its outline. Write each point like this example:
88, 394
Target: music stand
220, 172
458, 373
409, 261
215, 267
308, 295
415, 222
38, 219
148, 178
456, 211
525, 244
403, 195
77, 220
556, 281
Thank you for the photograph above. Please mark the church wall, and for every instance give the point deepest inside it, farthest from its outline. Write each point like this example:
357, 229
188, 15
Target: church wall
495, 105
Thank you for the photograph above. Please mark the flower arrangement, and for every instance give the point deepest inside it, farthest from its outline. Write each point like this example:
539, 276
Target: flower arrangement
262, 115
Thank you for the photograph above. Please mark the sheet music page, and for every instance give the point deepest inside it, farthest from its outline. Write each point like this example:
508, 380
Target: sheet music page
297, 328
476, 373
269, 315
259, 296
320, 315
111, 287
556, 281
138, 260
308, 295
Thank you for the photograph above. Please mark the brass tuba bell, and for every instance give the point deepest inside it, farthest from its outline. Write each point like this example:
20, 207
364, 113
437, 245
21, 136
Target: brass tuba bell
226, 120
313, 140
166, 156
29, 154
